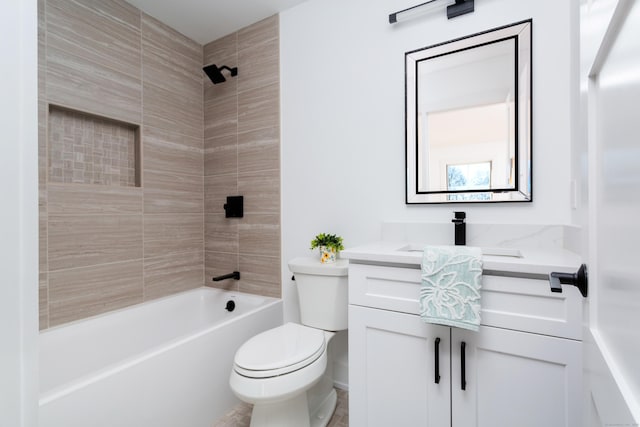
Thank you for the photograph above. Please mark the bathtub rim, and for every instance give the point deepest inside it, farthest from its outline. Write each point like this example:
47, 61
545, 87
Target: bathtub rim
153, 301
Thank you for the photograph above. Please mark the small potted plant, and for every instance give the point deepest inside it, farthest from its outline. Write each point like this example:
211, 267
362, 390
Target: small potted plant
329, 245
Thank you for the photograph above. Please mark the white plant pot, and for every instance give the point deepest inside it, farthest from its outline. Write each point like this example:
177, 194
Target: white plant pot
327, 255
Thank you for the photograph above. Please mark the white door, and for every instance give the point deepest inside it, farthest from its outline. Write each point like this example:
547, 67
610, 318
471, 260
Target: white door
392, 368
610, 125
502, 377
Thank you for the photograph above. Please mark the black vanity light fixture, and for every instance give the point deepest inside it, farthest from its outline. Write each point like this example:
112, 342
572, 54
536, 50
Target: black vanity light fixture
460, 7
215, 73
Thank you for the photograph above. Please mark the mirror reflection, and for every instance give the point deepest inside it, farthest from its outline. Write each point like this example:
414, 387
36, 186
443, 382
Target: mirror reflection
468, 125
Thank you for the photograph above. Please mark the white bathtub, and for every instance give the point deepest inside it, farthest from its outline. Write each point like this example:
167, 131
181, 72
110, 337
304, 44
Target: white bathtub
161, 363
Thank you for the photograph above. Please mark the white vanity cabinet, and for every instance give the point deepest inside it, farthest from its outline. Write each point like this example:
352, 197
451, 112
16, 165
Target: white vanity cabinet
392, 359
515, 378
522, 368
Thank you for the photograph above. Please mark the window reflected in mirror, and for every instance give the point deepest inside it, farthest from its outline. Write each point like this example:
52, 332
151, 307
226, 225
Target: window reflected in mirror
470, 176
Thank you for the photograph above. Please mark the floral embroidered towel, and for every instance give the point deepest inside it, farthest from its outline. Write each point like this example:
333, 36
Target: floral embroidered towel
451, 281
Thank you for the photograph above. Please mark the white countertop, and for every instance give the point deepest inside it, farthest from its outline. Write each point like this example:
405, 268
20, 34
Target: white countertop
533, 261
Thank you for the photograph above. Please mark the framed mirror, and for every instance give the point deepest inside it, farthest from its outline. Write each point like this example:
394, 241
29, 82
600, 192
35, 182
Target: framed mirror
469, 117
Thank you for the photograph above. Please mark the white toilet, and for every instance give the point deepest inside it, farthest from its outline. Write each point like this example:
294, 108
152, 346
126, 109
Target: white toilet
285, 372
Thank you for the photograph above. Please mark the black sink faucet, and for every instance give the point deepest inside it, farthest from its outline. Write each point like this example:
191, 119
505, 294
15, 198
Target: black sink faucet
460, 228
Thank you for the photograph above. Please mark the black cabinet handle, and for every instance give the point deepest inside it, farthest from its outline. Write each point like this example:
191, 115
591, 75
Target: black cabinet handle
437, 362
463, 379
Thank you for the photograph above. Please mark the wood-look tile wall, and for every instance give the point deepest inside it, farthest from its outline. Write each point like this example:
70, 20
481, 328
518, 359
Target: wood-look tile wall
242, 157
104, 247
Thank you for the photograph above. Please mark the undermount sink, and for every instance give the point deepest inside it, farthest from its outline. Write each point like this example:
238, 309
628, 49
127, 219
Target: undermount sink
503, 252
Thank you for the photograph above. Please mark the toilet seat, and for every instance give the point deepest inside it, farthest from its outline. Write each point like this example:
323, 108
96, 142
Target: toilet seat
279, 351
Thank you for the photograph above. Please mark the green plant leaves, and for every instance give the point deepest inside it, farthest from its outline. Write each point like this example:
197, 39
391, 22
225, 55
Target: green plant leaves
329, 240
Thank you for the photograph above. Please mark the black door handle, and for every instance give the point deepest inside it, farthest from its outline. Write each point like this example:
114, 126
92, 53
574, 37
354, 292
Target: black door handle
577, 279
463, 373
437, 362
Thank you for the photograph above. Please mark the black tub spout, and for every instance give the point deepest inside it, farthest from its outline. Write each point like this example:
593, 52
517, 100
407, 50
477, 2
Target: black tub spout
235, 275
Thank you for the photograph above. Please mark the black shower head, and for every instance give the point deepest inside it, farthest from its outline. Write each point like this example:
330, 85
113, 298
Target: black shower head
215, 73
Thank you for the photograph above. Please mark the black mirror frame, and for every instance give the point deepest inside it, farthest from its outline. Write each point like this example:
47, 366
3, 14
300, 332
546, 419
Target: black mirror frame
522, 191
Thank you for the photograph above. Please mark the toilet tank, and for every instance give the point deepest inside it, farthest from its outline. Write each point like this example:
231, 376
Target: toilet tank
322, 292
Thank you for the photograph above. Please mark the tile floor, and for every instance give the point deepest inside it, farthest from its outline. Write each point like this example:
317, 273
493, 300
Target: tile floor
240, 416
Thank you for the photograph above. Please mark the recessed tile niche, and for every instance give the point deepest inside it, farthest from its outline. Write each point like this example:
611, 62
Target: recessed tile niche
89, 149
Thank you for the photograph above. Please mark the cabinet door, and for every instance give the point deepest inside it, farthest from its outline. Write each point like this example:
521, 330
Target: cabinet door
392, 366
515, 378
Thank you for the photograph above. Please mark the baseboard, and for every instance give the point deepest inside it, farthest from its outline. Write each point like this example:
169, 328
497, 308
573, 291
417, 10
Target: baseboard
341, 385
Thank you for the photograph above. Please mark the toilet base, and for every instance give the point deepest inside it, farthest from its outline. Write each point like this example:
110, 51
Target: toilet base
323, 413
294, 412
289, 413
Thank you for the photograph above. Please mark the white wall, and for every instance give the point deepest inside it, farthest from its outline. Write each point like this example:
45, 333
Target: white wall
18, 214
342, 95
342, 106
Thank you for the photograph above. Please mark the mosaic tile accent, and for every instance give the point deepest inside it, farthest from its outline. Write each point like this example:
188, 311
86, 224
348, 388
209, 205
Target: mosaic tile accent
87, 149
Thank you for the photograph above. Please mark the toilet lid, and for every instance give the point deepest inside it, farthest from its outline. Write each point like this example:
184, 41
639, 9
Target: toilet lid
279, 351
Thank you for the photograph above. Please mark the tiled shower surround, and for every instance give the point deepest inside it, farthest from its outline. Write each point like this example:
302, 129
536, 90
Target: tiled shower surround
242, 156
105, 243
